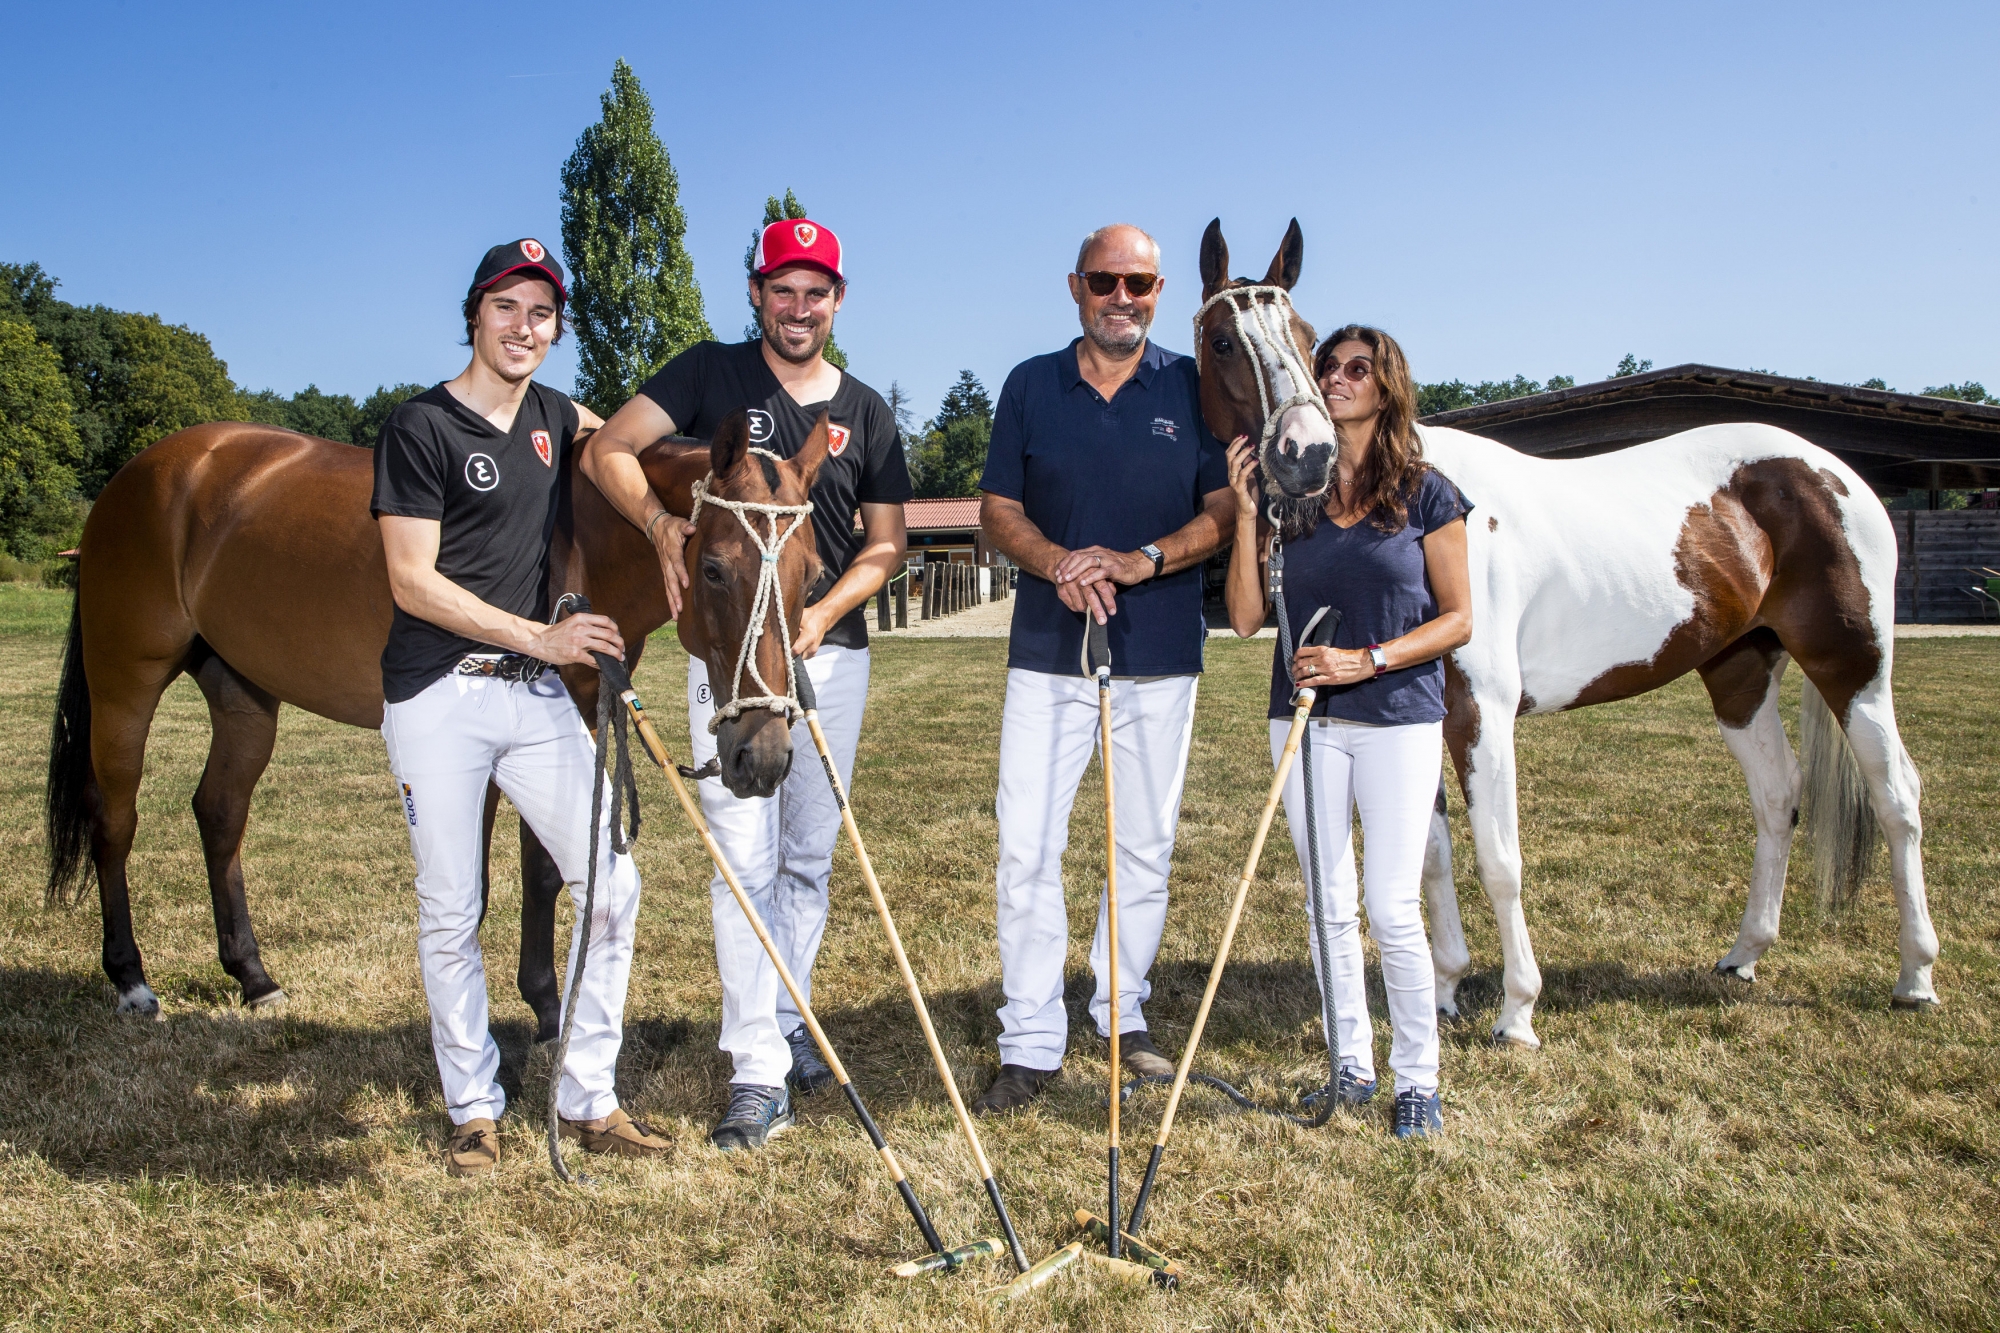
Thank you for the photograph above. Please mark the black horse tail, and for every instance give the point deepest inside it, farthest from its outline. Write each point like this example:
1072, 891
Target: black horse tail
68, 812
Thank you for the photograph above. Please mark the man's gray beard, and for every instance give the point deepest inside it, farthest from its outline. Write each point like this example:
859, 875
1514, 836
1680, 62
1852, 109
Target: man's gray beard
1104, 343
777, 345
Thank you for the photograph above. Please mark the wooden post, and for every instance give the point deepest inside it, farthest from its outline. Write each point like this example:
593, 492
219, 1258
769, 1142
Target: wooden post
882, 607
903, 600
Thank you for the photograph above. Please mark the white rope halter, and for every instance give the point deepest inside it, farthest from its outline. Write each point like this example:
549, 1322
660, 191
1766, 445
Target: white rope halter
1272, 342
768, 596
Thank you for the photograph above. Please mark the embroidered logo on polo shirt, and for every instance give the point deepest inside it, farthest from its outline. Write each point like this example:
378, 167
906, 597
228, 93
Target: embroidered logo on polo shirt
837, 437
481, 472
1163, 426
761, 426
542, 450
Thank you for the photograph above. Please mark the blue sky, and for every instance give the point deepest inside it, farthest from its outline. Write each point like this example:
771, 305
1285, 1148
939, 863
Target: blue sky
1539, 189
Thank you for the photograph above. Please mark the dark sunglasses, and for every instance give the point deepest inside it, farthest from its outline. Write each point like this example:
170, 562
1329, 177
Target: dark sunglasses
1103, 284
1354, 372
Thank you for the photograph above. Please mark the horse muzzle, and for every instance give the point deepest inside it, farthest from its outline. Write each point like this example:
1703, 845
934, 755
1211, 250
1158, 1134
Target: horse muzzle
754, 752
1298, 462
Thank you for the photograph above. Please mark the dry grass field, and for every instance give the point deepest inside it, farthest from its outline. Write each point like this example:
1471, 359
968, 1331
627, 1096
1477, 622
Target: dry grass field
1683, 1152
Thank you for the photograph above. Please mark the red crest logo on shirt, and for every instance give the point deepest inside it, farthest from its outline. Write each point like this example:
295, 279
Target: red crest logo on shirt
533, 250
806, 233
542, 450
837, 440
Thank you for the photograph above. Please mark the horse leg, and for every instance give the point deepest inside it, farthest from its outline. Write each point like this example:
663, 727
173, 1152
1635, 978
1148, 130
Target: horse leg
541, 885
243, 721
1742, 683
1491, 801
1450, 959
1894, 790
121, 717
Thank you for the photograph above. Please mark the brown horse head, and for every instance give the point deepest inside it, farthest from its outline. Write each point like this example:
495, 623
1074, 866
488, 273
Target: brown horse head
1255, 358
725, 564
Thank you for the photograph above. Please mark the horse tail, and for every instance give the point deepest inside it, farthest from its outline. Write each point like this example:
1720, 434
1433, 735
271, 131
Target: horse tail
1840, 822
68, 809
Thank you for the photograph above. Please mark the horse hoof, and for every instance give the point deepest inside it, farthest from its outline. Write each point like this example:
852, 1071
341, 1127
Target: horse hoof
1504, 1040
1448, 1012
1746, 973
1916, 1004
270, 1000
139, 1002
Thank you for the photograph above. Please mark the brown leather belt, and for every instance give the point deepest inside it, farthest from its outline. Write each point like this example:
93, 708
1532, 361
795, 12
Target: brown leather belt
502, 666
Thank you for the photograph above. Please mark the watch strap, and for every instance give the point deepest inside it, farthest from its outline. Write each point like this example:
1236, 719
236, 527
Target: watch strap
1157, 556
1378, 657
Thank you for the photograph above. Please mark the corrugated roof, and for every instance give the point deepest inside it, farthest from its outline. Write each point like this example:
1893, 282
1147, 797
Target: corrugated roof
930, 515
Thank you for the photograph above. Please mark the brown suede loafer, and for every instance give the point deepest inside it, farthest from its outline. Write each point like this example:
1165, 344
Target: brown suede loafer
616, 1133
1138, 1054
473, 1148
1016, 1087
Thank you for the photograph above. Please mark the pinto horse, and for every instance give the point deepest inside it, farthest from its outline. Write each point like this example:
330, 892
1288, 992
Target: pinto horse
246, 558
1727, 551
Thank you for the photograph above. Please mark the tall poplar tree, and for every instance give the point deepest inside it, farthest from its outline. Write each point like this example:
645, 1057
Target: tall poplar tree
778, 210
634, 301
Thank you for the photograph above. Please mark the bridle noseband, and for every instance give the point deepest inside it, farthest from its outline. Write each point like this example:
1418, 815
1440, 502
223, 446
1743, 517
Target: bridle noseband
768, 595
1273, 321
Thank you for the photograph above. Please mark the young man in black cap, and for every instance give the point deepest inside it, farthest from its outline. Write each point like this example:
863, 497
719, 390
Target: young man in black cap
466, 481
781, 846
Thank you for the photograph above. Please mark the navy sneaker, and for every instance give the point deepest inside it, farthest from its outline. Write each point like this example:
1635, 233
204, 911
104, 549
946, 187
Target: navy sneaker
1349, 1091
756, 1115
810, 1073
1418, 1114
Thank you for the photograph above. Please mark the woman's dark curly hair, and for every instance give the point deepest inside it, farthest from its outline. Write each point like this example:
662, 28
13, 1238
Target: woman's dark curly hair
1387, 480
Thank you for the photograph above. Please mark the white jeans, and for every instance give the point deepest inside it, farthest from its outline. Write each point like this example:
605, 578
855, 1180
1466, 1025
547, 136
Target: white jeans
1390, 775
443, 747
781, 848
1047, 735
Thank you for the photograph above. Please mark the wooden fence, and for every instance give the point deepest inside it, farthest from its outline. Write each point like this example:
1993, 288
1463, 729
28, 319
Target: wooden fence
1938, 554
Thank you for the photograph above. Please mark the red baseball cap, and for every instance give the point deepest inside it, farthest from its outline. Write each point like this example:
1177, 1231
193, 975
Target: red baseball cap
797, 241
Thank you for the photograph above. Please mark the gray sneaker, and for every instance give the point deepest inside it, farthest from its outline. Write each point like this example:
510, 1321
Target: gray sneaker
810, 1073
1349, 1092
756, 1115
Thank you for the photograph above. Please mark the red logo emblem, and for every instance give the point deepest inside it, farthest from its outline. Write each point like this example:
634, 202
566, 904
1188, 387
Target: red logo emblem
806, 234
533, 250
542, 450
837, 439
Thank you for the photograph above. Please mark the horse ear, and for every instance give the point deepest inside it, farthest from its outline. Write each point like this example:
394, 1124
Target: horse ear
732, 437
1285, 264
1214, 259
813, 453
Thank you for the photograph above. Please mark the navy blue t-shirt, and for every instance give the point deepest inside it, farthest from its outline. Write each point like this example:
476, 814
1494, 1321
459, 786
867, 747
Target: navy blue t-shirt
1377, 581
1117, 474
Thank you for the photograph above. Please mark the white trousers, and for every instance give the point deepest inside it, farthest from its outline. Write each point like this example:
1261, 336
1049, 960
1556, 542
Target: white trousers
1048, 732
1389, 775
781, 848
443, 747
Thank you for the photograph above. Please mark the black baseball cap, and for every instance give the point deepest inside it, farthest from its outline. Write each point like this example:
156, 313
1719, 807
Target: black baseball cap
526, 254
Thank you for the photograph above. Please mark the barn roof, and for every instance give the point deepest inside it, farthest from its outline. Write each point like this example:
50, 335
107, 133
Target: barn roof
931, 515
1894, 440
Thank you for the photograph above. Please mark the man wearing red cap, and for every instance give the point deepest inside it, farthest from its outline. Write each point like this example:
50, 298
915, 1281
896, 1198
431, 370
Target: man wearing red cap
467, 477
781, 846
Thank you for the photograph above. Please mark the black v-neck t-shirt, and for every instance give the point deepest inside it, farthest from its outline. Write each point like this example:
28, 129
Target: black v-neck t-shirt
865, 465
494, 495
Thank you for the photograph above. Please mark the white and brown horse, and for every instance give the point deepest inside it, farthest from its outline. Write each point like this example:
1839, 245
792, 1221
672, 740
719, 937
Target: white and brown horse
1727, 551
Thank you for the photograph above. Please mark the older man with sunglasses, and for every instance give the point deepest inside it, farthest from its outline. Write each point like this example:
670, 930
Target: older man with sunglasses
1103, 484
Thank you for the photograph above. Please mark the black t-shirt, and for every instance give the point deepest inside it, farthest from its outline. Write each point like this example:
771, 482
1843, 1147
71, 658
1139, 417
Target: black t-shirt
865, 465
494, 495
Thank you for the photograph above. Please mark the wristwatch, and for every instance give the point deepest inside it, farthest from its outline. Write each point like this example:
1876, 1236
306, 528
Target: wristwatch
1378, 657
1154, 554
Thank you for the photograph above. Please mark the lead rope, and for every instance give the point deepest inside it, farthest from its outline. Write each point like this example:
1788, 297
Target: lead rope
1275, 349
611, 733
768, 595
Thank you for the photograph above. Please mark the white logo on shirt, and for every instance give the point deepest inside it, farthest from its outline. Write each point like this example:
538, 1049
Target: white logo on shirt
1164, 426
837, 437
761, 426
481, 473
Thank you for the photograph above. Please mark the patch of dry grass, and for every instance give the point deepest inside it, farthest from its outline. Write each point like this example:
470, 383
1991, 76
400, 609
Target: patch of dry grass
1788, 1155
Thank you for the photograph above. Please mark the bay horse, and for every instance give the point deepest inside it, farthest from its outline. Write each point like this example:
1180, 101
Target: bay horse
245, 557
1728, 551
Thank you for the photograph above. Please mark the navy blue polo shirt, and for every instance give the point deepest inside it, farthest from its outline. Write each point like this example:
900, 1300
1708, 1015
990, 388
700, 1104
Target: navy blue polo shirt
1117, 474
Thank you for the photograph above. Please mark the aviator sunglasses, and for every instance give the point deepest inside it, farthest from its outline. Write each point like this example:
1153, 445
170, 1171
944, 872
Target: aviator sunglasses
1355, 371
1103, 284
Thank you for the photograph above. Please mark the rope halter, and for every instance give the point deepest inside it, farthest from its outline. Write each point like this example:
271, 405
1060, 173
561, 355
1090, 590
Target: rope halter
1265, 327
769, 596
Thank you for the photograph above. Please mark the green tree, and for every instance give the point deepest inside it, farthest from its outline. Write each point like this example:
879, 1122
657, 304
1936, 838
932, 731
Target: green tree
1450, 395
84, 339
633, 296
965, 400
952, 454
165, 377
375, 411
1630, 365
330, 416
266, 407
1969, 392
777, 210
38, 445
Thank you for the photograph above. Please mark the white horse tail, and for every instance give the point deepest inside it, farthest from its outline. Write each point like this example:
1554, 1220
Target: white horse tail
1840, 822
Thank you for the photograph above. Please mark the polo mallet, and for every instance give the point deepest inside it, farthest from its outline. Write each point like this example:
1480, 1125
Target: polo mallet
1319, 633
615, 677
809, 701
1097, 653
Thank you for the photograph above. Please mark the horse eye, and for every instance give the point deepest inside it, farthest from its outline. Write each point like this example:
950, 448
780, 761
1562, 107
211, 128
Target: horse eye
1222, 346
711, 571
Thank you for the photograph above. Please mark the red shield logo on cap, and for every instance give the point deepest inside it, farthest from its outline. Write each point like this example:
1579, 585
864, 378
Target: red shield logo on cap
542, 450
836, 440
806, 234
533, 250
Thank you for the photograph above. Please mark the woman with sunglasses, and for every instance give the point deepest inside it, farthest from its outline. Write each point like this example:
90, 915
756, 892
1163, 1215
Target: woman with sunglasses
1387, 550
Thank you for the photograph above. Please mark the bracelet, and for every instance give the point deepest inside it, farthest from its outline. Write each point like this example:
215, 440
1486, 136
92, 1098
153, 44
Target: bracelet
654, 522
